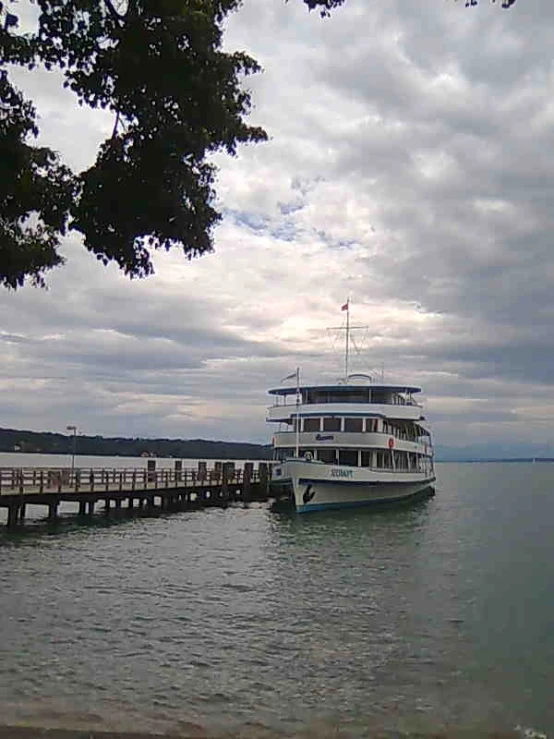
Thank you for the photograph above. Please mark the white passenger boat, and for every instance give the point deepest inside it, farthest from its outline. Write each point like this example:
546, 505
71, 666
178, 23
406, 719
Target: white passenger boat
356, 442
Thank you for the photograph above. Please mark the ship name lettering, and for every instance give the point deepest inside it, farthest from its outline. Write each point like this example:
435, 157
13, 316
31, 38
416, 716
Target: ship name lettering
341, 473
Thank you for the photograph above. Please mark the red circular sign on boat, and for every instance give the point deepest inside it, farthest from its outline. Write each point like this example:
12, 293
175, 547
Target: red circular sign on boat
391, 443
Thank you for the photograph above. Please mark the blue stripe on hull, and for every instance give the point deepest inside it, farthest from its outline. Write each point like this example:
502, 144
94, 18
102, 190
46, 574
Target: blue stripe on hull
358, 483
426, 493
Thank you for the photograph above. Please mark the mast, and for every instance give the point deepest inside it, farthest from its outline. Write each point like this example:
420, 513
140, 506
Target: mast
347, 331
297, 439
346, 307
347, 342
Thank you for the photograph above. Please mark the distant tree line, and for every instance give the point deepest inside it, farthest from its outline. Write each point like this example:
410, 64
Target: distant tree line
13, 440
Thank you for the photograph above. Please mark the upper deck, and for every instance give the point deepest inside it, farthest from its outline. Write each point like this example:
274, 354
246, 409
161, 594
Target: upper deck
352, 399
379, 394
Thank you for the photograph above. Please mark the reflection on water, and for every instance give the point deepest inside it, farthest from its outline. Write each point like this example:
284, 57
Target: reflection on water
343, 623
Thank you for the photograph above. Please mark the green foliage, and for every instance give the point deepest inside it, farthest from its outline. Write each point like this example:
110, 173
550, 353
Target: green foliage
325, 6
176, 98
36, 192
505, 3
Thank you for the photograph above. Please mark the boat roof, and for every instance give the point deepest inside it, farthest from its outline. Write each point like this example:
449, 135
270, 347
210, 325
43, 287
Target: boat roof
291, 390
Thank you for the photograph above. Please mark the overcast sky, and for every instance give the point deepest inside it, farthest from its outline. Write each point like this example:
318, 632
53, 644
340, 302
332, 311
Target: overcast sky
410, 166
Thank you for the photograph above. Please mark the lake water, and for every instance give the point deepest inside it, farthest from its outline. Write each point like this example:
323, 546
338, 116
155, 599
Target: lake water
243, 622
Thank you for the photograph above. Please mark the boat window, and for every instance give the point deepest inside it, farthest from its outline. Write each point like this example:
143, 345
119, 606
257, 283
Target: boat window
371, 425
283, 453
331, 424
381, 397
384, 459
348, 457
309, 397
354, 424
399, 399
311, 424
399, 460
349, 396
344, 395
365, 459
327, 455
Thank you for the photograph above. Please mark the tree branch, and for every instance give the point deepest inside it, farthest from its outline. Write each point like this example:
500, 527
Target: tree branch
115, 126
113, 12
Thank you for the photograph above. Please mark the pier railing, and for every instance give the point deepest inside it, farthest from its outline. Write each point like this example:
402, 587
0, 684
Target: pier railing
29, 480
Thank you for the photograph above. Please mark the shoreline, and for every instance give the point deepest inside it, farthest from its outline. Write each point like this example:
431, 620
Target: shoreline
36, 732
197, 732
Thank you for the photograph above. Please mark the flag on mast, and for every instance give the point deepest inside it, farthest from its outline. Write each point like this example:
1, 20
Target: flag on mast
345, 306
290, 377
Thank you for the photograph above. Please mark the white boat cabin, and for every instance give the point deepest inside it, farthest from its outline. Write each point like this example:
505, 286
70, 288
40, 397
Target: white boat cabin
356, 423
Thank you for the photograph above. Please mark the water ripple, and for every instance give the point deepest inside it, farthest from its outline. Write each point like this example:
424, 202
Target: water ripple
400, 622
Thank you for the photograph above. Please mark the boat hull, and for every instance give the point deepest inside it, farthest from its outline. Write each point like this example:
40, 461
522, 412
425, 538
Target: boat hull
318, 487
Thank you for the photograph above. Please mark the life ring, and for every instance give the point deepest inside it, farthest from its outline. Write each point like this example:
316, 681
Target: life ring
391, 443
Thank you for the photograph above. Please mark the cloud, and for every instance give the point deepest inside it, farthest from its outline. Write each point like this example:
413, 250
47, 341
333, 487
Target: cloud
408, 167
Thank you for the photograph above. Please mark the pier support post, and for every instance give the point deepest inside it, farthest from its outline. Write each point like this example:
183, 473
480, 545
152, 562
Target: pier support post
13, 515
247, 480
90, 507
22, 511
202, 471
82, 507
228, 473
107, 507
130, 504
264, 475
53, 510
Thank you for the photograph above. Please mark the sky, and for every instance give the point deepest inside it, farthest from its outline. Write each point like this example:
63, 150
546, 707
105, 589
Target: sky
409, 167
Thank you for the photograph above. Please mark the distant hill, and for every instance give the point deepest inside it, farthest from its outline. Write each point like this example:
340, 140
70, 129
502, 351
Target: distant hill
13, 440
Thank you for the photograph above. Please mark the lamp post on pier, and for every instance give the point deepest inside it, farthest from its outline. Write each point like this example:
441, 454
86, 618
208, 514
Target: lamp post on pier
73, 447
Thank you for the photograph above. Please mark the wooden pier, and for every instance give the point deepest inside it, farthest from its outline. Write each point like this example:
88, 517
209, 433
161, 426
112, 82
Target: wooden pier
148, 489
